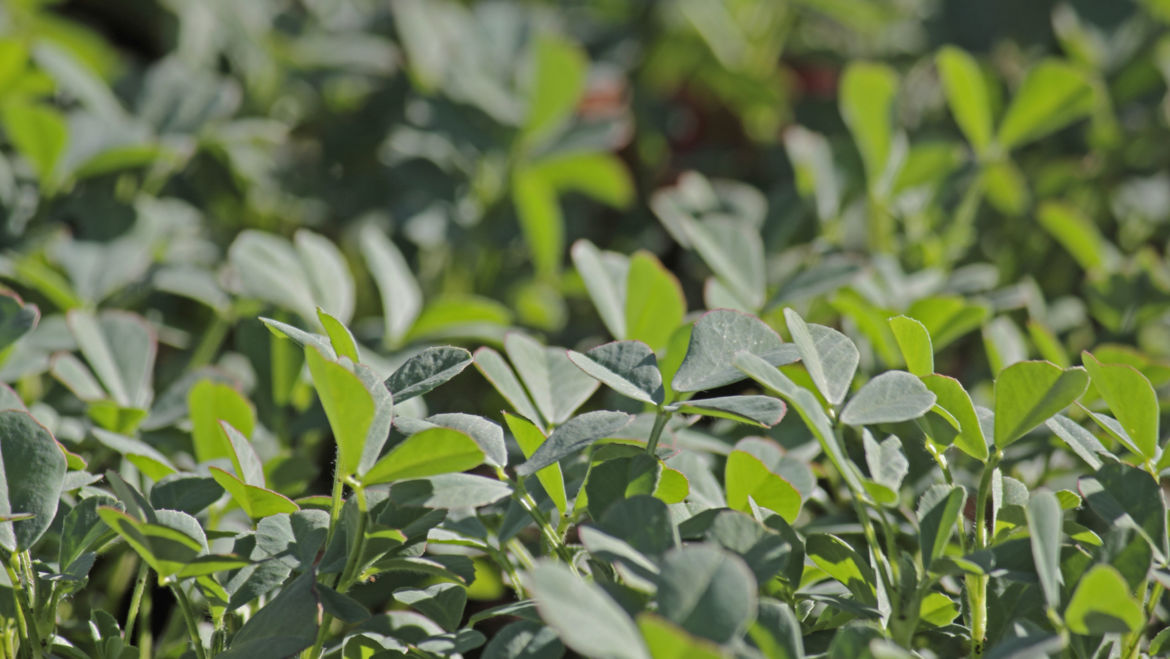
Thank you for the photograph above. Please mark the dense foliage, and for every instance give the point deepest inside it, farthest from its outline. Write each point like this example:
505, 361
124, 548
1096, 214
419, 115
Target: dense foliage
693, 328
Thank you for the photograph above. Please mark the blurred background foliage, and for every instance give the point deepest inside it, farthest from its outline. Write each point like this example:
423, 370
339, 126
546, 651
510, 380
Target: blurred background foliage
420, 169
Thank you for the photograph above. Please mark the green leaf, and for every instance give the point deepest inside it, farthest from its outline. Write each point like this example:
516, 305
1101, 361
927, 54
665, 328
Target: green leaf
886, 461
668, 641
1132, 399
843, 563
425, 371
947, 318
244, 459
428, 453
1075, 232
574, 435
1128, 497
655, 304
555, 384
559, 70
399, 291
448, 491
628, 367
283, 627
1047, 343
914, 342
937, 609
734, 252
208, 403
32, 474
120, 347
339, 336
777, 631
1029, 393
40, 134
16, 319
746, 476
460, 316
891, 397
541, 221
763, 411
1102, 604
210, 564
166, 546
1045, 519
587, 619
524, 638
1053, 95
967, 95
255, 500
341, 606
830, 356
185, 492
442, 602
1081, 441
718, 336
283, 331
814, 171
605, 275
642, 521
708, 591
952, 397
938, 514
144, 456
348, 405
488, 435
493, 367
327, 273
866, 102
269, 269
600, 175
809, 408
530, 438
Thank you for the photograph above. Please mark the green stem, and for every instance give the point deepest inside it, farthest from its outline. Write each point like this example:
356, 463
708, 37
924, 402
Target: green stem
884, 569
977, 584
353, 558
656, 432
189, 618
941, 460
145, 637
521, 553
352, 571
1133, 640
335, 508
209, 342
501, 559
26, 628
520, 493
135, 602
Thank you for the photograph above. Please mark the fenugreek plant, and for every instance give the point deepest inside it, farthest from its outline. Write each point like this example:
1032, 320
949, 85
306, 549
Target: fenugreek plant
893, 517
693, 328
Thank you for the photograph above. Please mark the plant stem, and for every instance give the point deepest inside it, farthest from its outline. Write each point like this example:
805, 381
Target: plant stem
354, 557
529, 504
145, 637
27, 629
209, 342
135, 602
977, 584
656, 432
352, 570
884, 569
189, 618
335, 508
